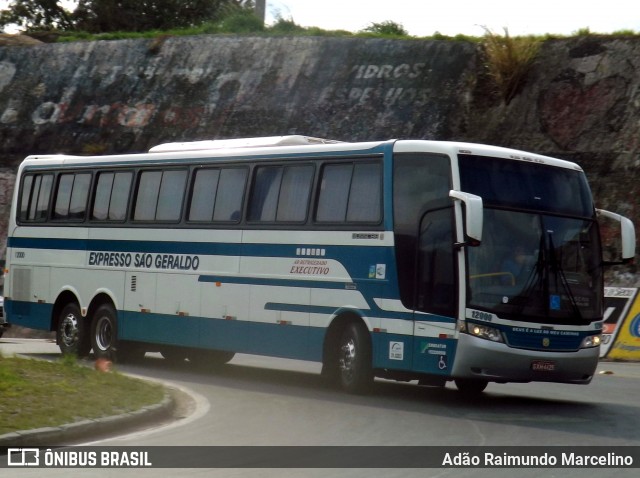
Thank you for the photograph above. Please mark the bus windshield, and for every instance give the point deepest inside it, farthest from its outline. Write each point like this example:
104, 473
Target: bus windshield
534, 265
525, 185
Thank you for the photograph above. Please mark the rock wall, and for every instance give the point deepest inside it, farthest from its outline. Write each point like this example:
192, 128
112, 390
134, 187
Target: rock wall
580, 101
107, 97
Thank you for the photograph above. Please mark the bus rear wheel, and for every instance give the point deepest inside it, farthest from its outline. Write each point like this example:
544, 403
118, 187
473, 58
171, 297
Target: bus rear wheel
71, 334
355, 371
104, 337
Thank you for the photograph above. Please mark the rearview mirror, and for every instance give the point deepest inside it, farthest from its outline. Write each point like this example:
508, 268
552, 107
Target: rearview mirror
619, 237
473, 216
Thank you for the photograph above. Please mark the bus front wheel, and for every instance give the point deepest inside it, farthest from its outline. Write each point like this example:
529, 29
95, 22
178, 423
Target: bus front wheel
470, 386
210, 358
71, 334
354, 359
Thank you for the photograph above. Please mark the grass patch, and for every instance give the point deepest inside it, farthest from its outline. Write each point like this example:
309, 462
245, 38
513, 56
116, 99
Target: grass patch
35, 393
508, 60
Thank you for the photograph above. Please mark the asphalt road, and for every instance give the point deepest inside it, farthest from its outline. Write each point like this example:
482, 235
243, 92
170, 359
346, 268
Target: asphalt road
263, 401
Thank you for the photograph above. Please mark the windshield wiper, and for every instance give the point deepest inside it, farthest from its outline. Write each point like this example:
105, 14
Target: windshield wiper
559, 272
536, 276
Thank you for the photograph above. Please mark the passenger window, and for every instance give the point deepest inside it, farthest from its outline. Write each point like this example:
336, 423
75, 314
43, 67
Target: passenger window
217, 195
147, 198
120, 196
264, 199
160, 195
350, 193
112, 196
34, 200
281, 193
71, 196
79, 196
27, 183
230, 195
294, 194
171, 193
365, 194
65, 184
203, 196
102, 196
334, 193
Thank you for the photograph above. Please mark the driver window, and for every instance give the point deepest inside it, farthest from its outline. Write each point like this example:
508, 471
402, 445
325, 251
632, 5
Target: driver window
436, 284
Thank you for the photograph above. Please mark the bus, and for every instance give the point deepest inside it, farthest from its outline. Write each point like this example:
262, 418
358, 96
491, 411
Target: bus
402, 259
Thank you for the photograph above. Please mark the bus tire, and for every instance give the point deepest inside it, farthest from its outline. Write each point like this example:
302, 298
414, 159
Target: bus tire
471, 386
210, 358
104, 338
355, 372
104, 332
71, 334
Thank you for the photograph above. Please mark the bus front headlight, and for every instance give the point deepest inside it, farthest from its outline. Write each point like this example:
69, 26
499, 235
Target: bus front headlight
484, 332
591, 341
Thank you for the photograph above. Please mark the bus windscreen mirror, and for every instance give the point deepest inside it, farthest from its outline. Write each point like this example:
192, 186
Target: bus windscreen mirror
618, 237
473, 216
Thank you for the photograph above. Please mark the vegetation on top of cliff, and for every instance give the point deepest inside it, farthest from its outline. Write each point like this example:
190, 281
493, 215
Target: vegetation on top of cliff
508, 60
245, 23
91, 20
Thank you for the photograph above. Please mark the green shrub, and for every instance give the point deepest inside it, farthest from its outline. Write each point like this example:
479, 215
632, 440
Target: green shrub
387, 28
241, 22
508, 60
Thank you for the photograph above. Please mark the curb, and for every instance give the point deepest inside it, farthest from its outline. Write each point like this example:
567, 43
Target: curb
65, 434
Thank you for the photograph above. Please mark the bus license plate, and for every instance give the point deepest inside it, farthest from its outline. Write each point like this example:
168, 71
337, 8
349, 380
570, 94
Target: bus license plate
543, 366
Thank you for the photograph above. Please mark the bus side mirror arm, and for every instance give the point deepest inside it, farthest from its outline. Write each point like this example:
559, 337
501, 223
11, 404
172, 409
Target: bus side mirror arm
473, 217
627, 233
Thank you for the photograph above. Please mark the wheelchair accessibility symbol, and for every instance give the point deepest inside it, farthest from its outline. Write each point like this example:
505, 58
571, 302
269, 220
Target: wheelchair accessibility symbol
442, 362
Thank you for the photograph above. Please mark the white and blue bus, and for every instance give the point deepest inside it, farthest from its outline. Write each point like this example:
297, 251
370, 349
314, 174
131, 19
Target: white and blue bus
407, 260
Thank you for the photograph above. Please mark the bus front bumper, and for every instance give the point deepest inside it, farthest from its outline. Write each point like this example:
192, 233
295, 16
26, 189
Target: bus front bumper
496, 362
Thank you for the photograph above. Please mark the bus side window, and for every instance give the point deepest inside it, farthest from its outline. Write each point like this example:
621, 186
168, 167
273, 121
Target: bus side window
171, 194
217, 195
27, 184
436, 285
203, 194
34, 203
264, 196
281, 193
334, 193
111, 196
295, 191
159, 195
230, 195
350, 193
120, 196
71, 196
365, 194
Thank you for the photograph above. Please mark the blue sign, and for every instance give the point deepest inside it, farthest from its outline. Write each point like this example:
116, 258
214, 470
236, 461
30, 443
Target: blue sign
634, 327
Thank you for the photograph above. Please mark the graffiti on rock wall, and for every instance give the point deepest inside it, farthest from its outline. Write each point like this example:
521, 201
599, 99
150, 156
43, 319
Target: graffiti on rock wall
215, 95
